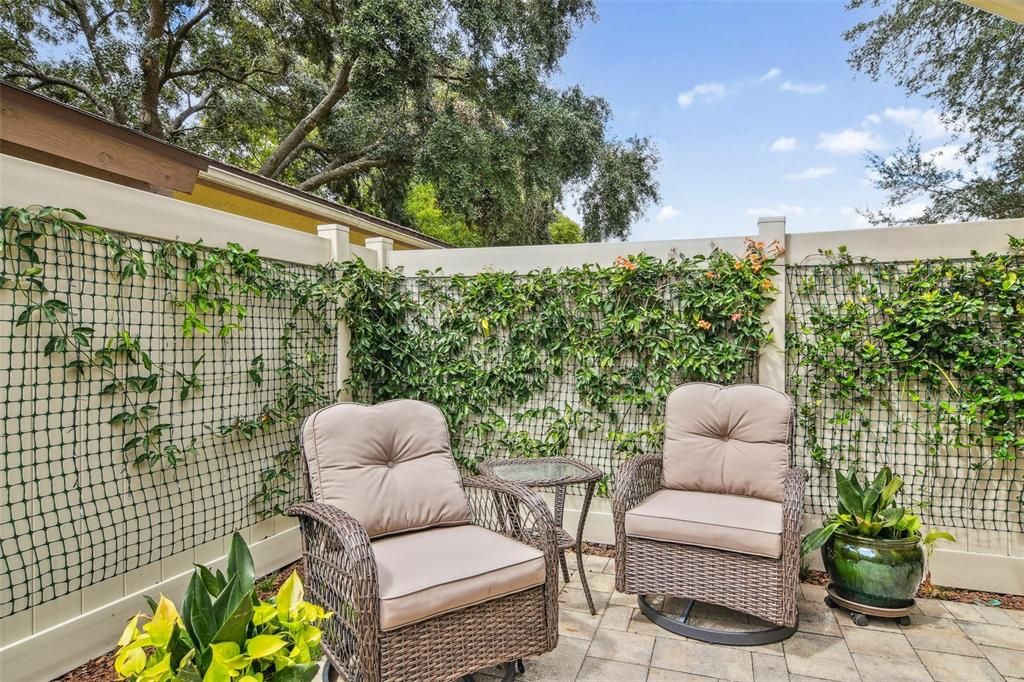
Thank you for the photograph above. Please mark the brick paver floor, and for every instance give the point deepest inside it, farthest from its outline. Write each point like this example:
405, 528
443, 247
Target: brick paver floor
945, 641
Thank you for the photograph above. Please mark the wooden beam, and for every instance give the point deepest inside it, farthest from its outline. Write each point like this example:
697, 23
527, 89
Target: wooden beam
1010, 9
42, 130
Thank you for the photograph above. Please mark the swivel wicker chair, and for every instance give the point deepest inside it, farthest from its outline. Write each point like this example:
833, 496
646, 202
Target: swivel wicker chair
430, 576
717, 518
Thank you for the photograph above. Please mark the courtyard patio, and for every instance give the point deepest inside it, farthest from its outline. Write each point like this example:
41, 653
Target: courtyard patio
946, 641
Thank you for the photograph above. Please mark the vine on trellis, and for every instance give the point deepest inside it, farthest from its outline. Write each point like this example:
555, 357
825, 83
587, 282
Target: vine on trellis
590, 352
213, 282
945, 336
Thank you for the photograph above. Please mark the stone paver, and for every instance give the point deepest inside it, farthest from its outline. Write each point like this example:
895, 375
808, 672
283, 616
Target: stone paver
945, 641
820, 656
956, 668
873, 668
627, 647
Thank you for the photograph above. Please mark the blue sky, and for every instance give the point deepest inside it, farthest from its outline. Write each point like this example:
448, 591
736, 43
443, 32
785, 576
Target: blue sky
753, 108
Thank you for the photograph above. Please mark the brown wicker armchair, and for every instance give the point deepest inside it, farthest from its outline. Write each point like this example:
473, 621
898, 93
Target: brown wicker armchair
717, 518
430, 576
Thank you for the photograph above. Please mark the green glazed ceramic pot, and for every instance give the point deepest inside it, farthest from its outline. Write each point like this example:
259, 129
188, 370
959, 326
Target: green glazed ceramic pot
874, 571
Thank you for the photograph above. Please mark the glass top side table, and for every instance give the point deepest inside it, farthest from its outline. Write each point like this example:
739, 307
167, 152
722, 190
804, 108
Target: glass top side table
557, 473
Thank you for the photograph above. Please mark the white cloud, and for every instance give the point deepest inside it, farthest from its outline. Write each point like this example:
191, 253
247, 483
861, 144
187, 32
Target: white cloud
872, 119
803, 88
850, 141
705, 93
858, 220
777, 209
909, 211
771, 74
946, 157
666, 213
784, 144
925, 123
812, 173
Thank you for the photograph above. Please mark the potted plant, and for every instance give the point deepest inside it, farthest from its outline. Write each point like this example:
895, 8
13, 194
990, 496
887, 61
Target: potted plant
224, 632
873, 549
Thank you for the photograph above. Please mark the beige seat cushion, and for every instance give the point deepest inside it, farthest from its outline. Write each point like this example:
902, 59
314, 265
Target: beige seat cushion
388, 465
727, 439
746, 525
430, 572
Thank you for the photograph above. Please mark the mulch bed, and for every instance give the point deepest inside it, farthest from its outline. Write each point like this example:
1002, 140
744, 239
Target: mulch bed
102, 669
930, 590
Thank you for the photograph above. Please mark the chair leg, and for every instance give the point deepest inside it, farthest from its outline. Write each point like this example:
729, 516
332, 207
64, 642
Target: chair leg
513, 668
565, 566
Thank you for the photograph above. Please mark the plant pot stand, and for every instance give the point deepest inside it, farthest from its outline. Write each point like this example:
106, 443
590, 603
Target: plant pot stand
859, 612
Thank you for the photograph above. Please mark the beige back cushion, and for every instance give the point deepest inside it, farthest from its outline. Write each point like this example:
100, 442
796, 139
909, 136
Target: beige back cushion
388, 465
727, 439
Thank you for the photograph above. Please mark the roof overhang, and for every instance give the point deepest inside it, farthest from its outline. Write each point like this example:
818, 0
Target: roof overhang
1011, 9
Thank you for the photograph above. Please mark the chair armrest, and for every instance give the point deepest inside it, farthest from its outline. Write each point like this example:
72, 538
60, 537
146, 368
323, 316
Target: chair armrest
341, 576
636, 480
519, 513
513, 510
793, 505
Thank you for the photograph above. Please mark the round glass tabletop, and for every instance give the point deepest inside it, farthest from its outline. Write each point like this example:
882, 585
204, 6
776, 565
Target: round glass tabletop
540, 471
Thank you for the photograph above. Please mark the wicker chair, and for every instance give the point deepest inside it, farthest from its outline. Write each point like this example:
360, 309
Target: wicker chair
430, 576
717, 518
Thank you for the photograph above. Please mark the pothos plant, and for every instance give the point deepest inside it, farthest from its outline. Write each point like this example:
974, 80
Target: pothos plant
225, 631
492, 348
209, 287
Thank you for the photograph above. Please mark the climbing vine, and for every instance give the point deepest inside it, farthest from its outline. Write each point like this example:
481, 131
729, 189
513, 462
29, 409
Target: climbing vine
531, 365
931, 348
208, 289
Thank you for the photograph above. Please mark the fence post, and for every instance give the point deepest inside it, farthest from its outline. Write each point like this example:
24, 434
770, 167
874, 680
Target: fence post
341, 250
772, 363
383, 247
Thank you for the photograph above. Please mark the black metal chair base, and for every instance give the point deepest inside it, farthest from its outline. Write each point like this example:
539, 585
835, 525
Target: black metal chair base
511, 669
681, 626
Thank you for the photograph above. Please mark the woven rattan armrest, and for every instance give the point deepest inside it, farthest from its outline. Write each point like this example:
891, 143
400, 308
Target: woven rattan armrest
513, 510
637, 479
341, 576
793, 504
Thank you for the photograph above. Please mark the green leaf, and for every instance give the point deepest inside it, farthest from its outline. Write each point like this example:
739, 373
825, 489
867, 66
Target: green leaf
240, 564
934, 536
817, 537
262, 646
301, 672
197, 613
849, 495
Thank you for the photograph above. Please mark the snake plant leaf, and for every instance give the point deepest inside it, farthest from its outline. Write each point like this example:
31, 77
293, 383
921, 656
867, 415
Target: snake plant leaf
197, 613
849, 495
872, 494
234, 627
817, 537
889, 492
240, 564
213, 585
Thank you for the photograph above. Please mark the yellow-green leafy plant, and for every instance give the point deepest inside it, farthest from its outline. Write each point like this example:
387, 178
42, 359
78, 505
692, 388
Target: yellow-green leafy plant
225, 632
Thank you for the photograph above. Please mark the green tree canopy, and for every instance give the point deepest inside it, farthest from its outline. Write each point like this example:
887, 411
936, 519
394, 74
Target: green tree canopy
354, 99
971, 64
565, 230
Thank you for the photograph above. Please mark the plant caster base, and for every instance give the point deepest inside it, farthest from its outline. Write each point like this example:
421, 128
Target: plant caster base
859, 612
681, 626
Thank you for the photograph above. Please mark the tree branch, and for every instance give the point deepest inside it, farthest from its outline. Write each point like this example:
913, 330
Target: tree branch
190, 111
339, 88
343, 171
46, 80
